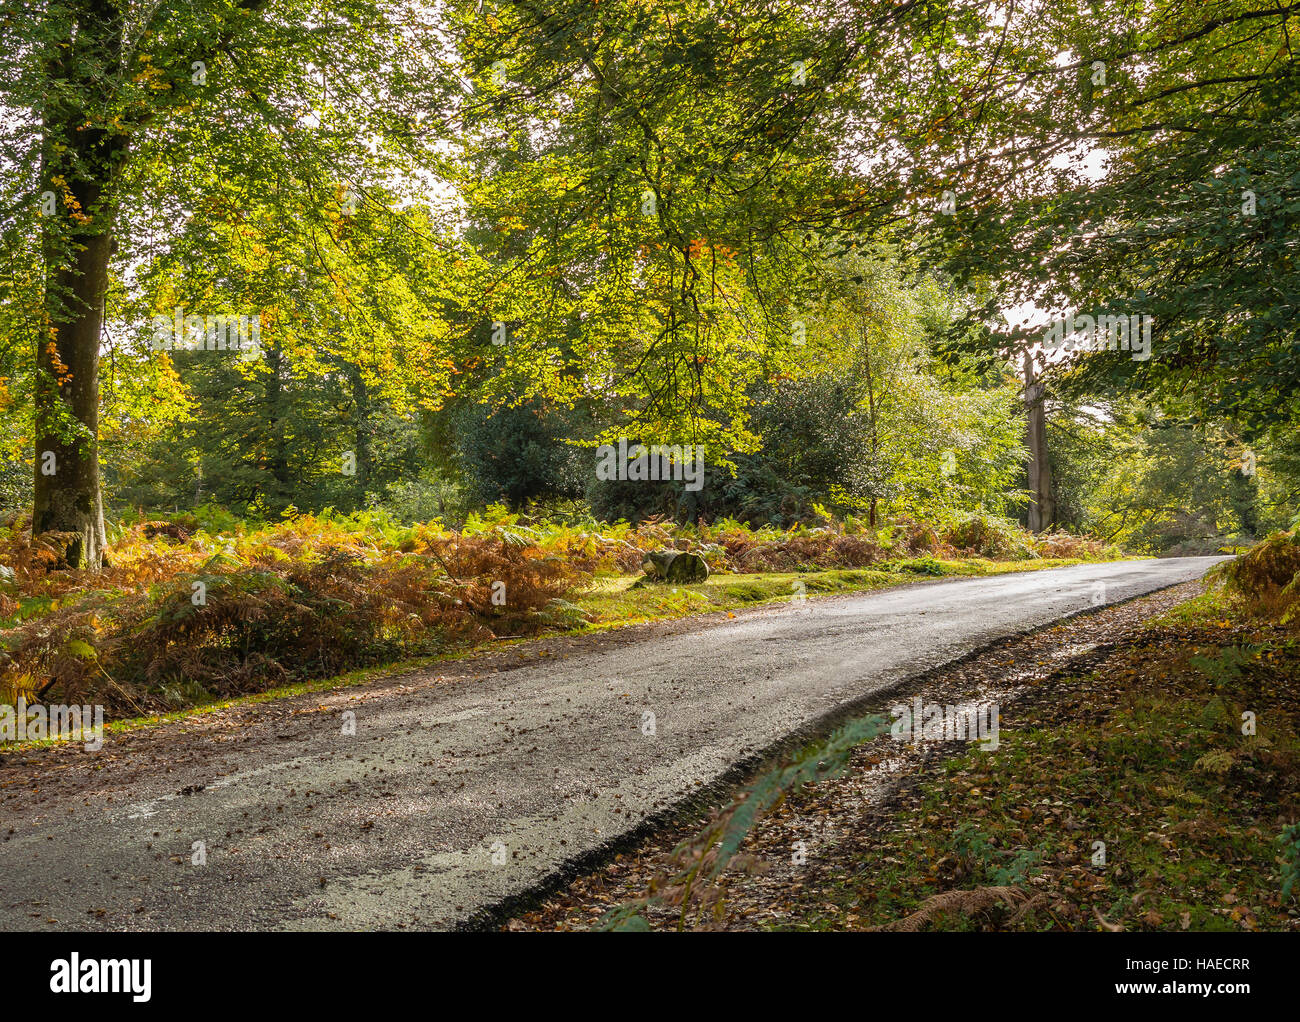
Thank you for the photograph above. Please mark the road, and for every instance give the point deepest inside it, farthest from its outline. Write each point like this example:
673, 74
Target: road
455, 797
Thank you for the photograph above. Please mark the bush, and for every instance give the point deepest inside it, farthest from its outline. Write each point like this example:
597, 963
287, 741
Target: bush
1268, 576
304, 599
429, 496
986, 536
517, 454
315, 595
816, 446
1063, 545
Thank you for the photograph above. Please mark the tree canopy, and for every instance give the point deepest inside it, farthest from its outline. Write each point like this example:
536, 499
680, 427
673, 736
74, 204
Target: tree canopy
696, 222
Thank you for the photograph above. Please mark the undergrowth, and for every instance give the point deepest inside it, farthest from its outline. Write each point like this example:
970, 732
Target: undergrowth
204, 606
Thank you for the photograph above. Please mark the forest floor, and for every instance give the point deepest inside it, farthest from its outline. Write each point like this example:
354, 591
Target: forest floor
1122, 795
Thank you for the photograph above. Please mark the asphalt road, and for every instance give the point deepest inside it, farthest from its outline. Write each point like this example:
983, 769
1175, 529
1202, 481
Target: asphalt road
451, 798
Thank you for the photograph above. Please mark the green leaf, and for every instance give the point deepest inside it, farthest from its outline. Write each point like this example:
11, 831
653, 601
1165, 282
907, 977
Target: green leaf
82, 649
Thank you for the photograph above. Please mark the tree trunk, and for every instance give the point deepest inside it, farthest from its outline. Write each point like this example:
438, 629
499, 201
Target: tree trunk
361, 405
67, 496
78, 160
1042, 505
875, 436
277, 402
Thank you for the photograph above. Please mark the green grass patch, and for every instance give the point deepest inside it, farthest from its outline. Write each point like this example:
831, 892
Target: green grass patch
614, 600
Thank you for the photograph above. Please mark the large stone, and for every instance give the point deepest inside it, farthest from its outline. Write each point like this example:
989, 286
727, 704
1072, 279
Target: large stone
688, 569
674, 566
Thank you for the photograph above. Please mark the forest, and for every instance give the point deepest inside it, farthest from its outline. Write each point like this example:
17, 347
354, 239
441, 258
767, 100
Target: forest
809, 237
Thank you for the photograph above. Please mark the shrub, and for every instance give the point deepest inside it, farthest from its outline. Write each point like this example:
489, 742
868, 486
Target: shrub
1268, 576
1063, 545
430, 495
517, 454
311, 596
302, 600
987, 536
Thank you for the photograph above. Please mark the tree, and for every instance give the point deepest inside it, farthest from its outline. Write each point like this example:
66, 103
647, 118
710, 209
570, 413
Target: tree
1042, 499
121, 117
688, 165
516, 455
1188, 116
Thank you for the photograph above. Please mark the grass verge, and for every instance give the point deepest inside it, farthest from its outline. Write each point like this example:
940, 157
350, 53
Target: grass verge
613, 601
1150, 794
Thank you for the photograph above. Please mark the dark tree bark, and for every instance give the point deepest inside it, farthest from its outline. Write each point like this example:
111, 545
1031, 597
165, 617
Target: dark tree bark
1042, 505
276, 404
871, 404
79, 158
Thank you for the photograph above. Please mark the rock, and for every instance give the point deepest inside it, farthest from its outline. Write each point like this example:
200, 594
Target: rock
675, 566
655, 563
688, 568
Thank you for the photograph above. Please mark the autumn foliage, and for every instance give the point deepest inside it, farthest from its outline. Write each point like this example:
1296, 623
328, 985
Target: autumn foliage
175, 620
1267, 577
187, 611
